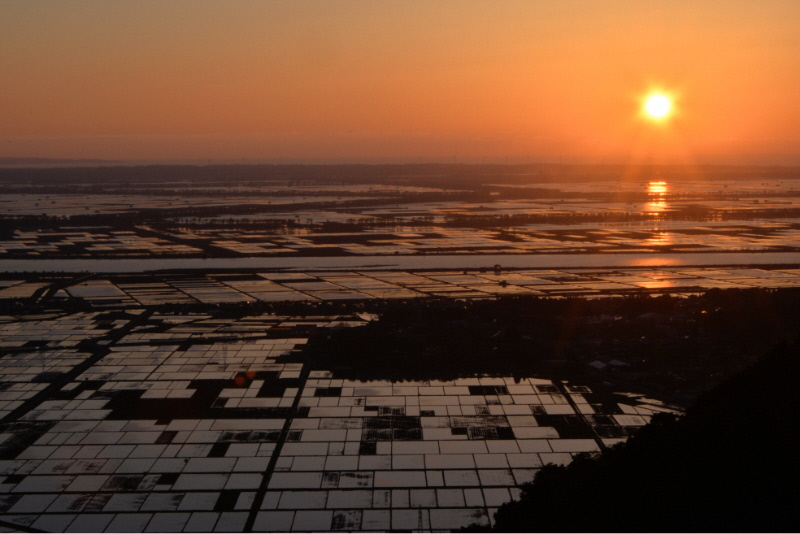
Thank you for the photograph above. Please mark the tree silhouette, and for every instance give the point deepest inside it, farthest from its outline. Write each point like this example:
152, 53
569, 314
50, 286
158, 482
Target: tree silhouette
729, 464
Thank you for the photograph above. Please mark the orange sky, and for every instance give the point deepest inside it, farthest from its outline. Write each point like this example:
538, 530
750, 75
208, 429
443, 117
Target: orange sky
532, 80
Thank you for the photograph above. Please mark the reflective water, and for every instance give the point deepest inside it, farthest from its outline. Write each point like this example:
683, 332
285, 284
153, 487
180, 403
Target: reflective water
180, 428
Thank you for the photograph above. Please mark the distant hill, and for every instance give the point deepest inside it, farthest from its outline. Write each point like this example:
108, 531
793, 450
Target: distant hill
729, 465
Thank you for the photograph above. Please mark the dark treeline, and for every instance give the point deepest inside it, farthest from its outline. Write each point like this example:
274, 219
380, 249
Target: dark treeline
728, 465
674, 347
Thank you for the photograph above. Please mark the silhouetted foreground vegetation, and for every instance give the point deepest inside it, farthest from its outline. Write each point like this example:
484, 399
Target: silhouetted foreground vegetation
728, 465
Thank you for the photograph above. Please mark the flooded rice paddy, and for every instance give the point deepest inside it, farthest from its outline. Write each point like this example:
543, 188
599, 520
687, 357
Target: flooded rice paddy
189, 430
122, 417
280, 220
319, 286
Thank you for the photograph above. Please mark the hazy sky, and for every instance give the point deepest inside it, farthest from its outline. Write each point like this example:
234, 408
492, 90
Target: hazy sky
531, 80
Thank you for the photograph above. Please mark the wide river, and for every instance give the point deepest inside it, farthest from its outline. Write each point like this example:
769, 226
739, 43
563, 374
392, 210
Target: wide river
429, 261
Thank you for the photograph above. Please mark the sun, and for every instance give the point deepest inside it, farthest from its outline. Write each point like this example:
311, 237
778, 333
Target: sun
658, 106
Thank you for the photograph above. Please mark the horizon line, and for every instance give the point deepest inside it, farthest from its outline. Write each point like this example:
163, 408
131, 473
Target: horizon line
27, 162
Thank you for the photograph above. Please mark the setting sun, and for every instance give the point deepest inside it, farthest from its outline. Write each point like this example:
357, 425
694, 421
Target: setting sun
356, 81
658, 106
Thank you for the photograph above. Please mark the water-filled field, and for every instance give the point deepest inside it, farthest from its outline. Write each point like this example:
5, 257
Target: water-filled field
317, 219
189, 430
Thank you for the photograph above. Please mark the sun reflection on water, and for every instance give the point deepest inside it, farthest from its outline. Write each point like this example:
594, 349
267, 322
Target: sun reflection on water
654, 261
657, 188
659, 238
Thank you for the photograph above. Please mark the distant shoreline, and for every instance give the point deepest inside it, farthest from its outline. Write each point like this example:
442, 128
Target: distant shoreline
420, 262
66, 171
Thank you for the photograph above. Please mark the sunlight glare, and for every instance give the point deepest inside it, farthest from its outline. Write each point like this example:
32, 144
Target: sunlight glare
658, 106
